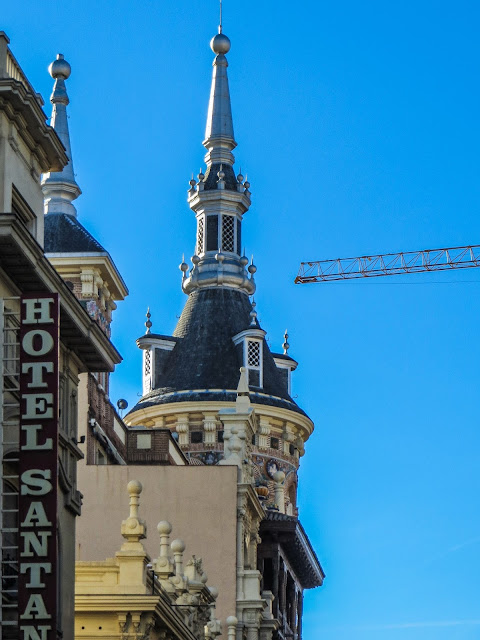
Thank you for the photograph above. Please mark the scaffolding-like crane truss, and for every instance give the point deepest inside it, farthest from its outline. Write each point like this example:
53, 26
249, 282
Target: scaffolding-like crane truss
389, 264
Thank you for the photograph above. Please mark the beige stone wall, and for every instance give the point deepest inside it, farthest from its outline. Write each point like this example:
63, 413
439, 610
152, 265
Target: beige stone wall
199, 502
16, 166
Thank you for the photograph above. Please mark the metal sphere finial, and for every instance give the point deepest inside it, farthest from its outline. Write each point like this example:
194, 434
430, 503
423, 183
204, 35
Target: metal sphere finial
148, 323
60, 68
285, 345
220, 44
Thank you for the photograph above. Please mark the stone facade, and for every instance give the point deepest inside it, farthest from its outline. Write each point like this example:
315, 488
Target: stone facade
28, 148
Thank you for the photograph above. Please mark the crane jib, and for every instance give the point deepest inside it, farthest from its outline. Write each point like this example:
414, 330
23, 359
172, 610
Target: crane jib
389, 264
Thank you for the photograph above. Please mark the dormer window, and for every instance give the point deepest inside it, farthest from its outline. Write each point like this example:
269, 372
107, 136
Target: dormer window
285, 365
250, 347
254, 362
147, 370
156, 350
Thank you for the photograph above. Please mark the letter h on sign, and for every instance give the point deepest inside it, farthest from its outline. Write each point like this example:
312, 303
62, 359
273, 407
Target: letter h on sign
39, 383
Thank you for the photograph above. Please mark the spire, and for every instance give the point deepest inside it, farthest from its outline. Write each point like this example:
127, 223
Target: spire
219, 137
60, 188
219, 198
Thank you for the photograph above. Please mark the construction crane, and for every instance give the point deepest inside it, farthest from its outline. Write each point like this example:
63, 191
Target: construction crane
389, 264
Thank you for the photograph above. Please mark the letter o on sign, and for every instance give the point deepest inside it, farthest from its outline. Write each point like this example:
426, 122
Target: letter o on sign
45, 344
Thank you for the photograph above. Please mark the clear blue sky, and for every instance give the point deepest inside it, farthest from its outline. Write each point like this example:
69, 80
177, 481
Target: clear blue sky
357, 123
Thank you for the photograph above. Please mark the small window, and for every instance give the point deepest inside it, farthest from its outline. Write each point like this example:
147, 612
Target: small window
239, 237
212, 233
144, 441
274, 443
200, 236
220, 436
196, 437
253, 358
254, 439
228, 233
291, 449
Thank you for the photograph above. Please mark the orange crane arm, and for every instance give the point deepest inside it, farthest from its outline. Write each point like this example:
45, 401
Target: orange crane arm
389, 264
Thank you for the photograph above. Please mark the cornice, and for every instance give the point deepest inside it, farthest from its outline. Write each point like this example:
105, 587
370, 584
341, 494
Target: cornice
22, 108
22, 258
102, 259
135, 418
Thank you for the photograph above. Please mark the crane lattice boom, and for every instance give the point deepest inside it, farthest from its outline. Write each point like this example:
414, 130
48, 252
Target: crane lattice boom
389, 264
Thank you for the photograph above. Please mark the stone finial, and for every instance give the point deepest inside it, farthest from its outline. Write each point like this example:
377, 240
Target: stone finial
133, 528
221, 178
163, 565
253, 315
242, 388
178, 547
285, 345
148, 323
279, 478
242, 404
232, 627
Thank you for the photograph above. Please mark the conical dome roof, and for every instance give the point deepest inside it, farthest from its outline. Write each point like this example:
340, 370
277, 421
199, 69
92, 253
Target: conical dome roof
204, 363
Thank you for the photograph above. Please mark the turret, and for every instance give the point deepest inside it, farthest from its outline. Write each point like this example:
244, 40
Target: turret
190, 378
218, 197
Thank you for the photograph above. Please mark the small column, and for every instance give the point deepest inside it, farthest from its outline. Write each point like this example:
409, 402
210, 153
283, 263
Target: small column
299, 615
279, 478
232, 627
275, 586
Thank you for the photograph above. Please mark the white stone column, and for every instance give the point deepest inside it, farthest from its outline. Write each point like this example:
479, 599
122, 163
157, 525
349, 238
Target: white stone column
279, 478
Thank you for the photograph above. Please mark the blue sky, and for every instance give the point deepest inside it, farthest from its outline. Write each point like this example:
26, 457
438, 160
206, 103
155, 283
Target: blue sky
358, 126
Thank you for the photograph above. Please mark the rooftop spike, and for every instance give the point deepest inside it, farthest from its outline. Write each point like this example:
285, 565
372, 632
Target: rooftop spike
60, 188
148, 323
219, 137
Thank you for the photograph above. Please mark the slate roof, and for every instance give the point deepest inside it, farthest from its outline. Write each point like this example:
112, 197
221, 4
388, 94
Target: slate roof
211, 177
204, 364
65, 234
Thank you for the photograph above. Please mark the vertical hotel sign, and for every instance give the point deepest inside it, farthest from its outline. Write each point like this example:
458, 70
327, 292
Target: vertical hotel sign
39, 382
